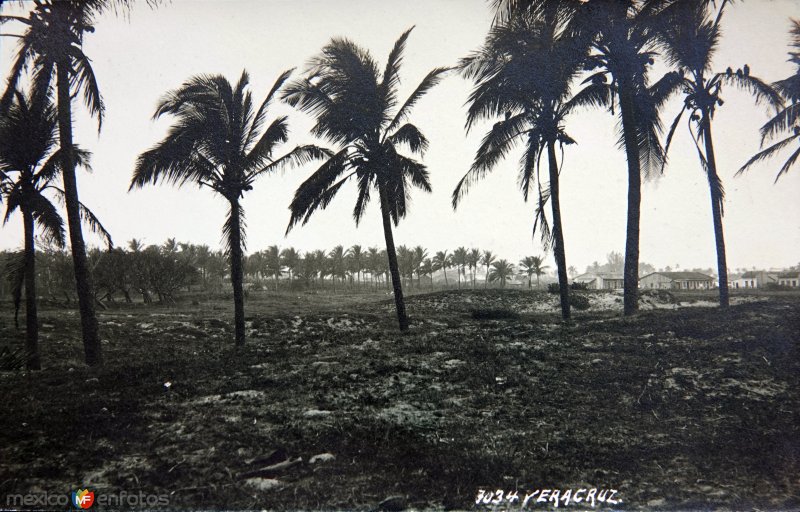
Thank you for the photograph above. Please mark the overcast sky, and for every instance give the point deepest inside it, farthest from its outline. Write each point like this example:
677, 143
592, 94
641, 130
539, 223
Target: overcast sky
137, 59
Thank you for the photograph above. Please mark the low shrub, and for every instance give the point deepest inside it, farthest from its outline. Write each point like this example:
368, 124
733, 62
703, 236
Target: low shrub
579, 302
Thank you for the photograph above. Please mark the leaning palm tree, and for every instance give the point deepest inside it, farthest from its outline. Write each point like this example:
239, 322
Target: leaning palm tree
525, 69
532, 265
689, 37
52, 46
501, 271
217, 141
353, 104
786, 120
29, 166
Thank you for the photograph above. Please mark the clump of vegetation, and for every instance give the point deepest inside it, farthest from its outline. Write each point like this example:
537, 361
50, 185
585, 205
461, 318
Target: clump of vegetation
580, 302
494, 314
553, 288
664, 296
579, 286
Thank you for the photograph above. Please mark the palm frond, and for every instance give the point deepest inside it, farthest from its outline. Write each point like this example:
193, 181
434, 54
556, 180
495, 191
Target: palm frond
85, 79
276, 133
300, 155
763, 92
391, 77
258, 119
782, 121
430, 80
314, 192
670, 134
410, 135
769, 152
47, 218
89, 218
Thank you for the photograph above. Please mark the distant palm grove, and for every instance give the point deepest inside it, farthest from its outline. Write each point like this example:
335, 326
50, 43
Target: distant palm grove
542, 63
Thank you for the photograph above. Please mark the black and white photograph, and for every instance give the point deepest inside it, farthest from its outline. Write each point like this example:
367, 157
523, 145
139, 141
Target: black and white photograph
387, 255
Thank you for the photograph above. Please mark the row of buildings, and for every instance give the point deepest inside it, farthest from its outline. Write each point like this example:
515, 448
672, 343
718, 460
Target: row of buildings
691, 280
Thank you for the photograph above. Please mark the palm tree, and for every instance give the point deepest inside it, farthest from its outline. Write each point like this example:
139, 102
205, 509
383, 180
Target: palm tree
356, 255
273, 263
473, 258
290, 259
420, 255
525, 69
337, 267
52, 46
622, 50
531, 265
786, 119
460, 261
29, 165
501, 271
353, 105
690, 38
486, 260
426, 268
441, 260
217, 142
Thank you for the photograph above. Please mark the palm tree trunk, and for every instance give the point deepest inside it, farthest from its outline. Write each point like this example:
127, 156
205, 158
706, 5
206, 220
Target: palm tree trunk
715, 187
558, 233
402, 318
486, 279
631, 272
237, 272
83, 277
33, 361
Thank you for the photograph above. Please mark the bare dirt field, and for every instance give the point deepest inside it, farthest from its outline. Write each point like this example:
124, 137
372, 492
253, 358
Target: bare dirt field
329, 407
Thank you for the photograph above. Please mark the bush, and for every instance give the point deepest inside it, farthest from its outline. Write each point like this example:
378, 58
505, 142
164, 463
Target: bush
579, 286
579, 302
553, 288
494, 314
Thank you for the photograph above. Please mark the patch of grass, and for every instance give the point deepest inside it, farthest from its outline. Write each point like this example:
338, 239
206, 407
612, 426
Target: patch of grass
697, 407
494, 314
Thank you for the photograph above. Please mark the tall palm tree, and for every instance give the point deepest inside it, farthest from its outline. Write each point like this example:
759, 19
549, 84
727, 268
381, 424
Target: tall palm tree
501, 271
353, 104
486, 260
441, 261
622, 52
533, 265
525, 69
426, 268
52, 47
29, 166
786, 119
217, 141
690, 37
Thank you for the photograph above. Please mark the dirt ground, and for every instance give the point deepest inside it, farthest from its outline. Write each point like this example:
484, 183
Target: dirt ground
683, 407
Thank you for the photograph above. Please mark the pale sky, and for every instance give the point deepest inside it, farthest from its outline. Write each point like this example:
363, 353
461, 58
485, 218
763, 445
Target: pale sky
136, 60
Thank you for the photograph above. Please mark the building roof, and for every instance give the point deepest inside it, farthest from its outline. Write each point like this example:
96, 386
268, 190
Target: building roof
684, 276
790, 274
603, 275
